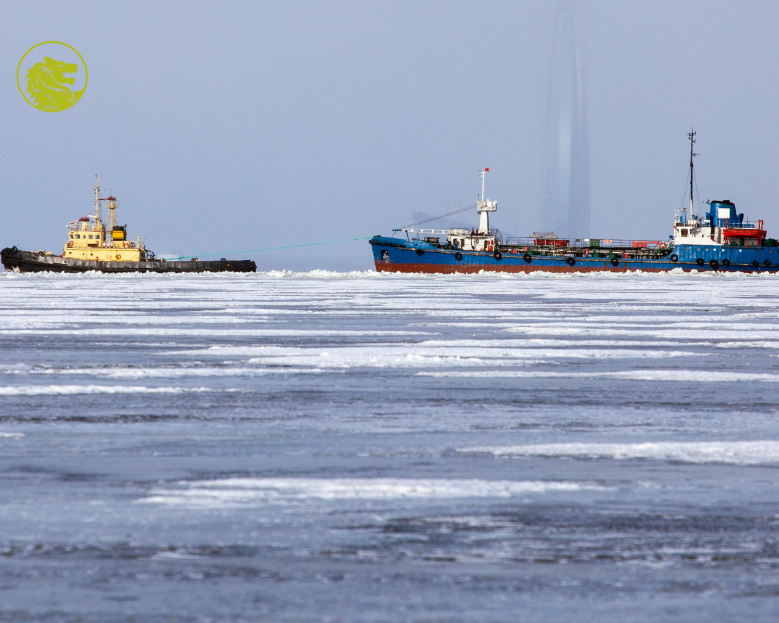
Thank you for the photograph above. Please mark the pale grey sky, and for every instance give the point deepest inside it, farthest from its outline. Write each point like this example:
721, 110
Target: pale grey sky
240, 125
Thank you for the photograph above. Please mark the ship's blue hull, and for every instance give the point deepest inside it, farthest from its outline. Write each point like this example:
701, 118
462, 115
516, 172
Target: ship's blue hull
398, 255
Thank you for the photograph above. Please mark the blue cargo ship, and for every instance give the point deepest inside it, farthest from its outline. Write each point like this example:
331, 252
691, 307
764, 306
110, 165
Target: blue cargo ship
719, 240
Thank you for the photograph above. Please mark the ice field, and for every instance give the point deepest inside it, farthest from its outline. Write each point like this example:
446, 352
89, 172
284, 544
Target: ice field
390, 448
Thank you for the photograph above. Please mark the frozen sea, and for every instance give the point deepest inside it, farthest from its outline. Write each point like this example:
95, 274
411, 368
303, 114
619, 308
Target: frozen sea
388, 448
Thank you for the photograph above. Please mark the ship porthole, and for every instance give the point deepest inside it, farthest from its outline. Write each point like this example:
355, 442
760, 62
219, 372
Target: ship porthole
699, 261
726, 262
570, 261
458, 257
674, 258
527, 257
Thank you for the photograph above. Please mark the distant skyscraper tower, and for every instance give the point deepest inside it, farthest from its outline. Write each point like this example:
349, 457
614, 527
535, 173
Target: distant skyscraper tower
567, 161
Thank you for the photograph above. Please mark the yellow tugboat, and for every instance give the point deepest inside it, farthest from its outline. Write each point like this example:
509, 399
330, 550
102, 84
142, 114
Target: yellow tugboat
103, 246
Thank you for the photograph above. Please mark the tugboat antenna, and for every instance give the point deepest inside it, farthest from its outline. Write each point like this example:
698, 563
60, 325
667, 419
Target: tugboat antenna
691, 136
97, 201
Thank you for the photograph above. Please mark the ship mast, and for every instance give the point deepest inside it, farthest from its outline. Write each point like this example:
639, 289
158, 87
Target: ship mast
97, 201
691, 136
484, 207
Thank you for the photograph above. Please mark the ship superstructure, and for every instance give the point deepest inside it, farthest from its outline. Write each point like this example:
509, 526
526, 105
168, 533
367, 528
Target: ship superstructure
483, 238
89, 238
721, 239
720, 226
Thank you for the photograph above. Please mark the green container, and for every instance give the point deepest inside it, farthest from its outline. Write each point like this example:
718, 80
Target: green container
594, 244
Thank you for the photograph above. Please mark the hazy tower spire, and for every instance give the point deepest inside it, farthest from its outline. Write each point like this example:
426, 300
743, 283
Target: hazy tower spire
567, 162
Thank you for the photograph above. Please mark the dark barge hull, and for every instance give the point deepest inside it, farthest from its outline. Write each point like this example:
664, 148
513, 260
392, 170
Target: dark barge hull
18, 261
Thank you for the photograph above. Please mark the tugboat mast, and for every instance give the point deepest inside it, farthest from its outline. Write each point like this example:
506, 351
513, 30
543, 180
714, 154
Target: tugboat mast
691, 136
97, 201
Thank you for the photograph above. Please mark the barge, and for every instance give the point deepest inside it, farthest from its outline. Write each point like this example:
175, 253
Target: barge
719, 240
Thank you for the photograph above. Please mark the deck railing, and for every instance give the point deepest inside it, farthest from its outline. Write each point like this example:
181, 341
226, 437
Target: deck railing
549, 243
586, 243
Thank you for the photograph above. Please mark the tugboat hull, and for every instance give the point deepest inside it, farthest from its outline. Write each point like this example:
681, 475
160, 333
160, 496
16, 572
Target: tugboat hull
18, 261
